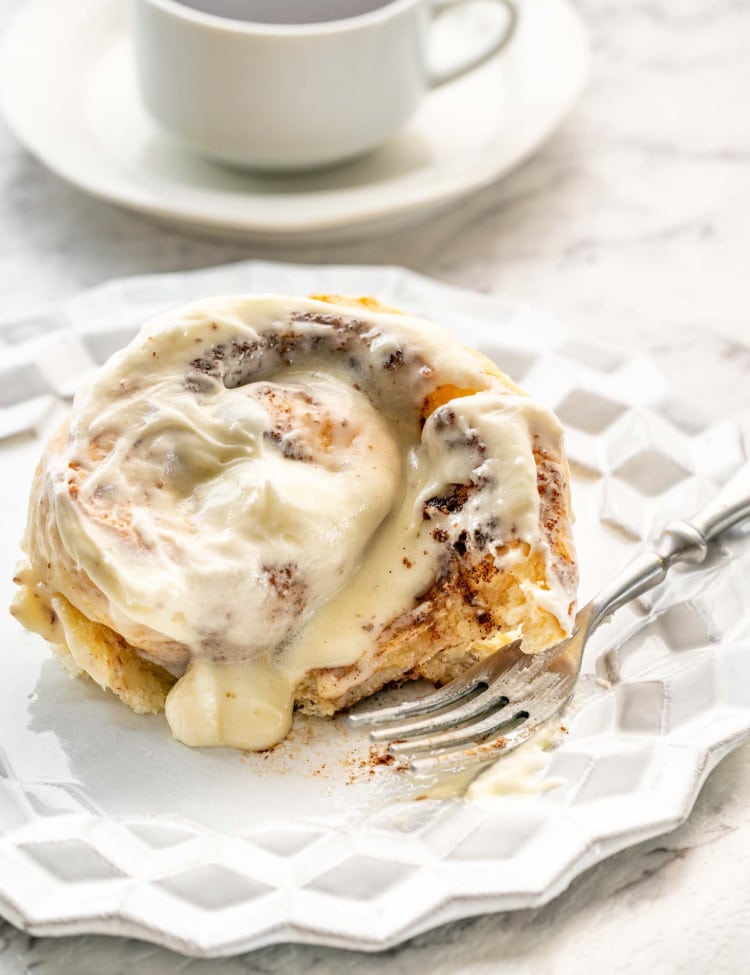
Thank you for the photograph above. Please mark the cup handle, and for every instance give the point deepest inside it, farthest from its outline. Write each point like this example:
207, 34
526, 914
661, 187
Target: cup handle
438, 77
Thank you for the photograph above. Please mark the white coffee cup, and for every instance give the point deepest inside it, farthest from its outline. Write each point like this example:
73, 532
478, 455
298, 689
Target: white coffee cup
275, 92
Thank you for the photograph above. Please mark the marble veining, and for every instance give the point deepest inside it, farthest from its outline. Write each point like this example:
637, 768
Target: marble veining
632, 226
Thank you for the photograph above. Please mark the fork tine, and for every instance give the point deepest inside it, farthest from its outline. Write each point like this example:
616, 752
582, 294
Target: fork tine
436, 701
546, 701
485, 753
452, 737
453, 692
489, 699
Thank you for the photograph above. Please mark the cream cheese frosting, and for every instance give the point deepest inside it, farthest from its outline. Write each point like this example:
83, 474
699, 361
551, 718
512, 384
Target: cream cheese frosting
258, 486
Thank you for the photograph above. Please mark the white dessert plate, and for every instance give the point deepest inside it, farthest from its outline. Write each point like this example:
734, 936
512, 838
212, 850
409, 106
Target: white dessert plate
108, 825
69, 92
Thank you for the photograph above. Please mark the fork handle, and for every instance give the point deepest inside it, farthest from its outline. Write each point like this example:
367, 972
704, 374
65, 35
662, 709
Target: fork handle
679, 541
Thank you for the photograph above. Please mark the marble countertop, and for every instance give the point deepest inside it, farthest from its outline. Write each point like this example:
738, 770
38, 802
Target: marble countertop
633, 226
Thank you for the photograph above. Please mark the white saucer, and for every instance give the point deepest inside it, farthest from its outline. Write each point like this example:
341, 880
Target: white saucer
69, 92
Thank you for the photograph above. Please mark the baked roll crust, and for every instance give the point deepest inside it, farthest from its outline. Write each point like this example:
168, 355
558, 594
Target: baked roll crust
267, 502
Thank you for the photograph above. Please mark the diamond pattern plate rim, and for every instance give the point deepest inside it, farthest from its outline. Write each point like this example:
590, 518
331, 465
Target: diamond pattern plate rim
64, 342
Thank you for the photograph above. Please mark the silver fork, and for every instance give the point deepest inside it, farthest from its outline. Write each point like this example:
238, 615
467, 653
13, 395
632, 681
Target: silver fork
503, 700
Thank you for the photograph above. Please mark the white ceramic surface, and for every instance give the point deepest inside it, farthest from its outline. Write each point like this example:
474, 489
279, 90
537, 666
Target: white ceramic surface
288, 96
108, 825
69, 92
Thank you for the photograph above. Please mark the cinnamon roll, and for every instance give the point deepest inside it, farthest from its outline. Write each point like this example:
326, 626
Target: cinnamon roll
266, 502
